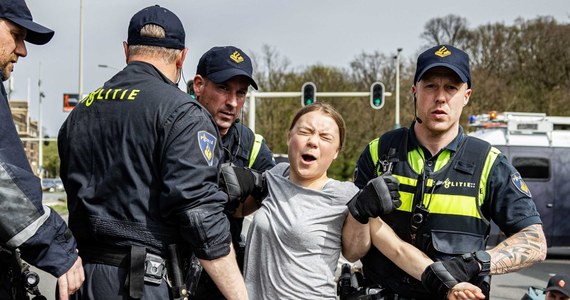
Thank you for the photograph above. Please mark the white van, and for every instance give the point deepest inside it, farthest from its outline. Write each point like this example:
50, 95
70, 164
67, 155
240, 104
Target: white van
539, 147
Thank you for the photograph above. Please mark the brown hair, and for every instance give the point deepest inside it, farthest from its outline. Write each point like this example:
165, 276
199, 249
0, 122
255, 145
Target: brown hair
328, 110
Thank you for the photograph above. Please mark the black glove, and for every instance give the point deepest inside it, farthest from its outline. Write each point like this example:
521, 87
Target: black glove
441, 276
240, 182
380, 196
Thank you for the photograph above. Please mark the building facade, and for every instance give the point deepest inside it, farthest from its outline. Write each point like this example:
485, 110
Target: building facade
27, 130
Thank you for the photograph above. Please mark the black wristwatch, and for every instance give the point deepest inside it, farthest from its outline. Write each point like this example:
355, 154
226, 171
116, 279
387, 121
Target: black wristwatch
484, 259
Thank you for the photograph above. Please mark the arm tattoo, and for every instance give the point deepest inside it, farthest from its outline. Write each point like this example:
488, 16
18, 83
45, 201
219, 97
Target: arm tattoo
519, 251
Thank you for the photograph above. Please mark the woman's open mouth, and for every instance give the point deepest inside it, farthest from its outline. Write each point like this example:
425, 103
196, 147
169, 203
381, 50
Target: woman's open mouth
308, 158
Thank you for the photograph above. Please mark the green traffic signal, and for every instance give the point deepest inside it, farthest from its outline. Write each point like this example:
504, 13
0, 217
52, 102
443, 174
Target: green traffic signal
309, 94
377, 95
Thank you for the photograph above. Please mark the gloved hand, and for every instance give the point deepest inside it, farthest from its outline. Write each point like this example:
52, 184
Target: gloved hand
380, 196
240, 182
441, 276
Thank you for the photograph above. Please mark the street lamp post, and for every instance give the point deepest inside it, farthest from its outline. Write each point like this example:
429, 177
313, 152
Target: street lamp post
397, 114
80, 91
41, 138
40, 125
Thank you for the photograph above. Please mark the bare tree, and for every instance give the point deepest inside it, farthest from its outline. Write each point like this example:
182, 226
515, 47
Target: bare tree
271, 68
451, 29
367, 68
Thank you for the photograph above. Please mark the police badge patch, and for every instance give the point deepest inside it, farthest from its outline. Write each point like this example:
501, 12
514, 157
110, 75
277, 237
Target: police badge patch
207, 142
517, 180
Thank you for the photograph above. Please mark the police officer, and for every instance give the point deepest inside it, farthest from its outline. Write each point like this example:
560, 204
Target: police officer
40, 233
222, 79
140, 165
451, 187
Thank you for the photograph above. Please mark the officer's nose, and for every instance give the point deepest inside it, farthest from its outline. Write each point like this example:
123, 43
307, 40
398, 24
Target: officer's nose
21, 50
232, 100
440, 96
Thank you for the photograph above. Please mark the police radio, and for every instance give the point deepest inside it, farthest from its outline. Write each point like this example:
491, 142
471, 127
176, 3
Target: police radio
420, 212
419, 216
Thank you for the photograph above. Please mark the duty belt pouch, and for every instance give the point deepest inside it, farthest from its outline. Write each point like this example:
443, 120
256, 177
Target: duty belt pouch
154, 268
144, 268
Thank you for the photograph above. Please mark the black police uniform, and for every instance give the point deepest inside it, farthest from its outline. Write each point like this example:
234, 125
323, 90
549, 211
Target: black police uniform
40, 233
442, 234
140, 163
238, 146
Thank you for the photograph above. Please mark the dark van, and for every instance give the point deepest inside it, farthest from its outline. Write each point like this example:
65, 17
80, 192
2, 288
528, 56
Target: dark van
539, 147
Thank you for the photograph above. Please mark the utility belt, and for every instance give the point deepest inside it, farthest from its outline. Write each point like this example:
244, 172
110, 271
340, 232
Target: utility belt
374, 293
353, 286
144, 268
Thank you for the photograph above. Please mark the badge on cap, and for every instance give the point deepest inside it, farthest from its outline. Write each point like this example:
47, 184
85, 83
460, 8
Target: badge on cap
236, 56
517, 180
443, 52
207, 142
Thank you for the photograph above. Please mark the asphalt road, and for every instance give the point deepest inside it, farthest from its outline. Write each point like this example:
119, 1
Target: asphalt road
510, 286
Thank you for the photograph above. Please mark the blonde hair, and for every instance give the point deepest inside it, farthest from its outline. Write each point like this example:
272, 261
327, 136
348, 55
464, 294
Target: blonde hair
328, 110
152, 30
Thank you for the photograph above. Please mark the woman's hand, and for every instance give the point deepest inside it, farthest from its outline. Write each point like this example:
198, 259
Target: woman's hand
465, 291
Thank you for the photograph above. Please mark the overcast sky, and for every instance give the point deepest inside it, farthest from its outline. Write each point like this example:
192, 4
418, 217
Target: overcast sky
307, 32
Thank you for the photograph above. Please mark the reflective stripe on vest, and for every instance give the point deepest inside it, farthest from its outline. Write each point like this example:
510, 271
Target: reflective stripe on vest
445, 202
373, 146
258, 140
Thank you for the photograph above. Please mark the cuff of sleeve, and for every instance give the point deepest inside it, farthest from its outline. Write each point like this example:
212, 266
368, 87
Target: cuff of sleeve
207, 232
215, 251
52, 248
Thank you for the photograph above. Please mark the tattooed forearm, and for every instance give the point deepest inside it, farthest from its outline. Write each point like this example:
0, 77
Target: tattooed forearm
519, 251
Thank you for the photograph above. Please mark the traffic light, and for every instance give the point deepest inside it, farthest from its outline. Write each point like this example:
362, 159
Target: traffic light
377, 95
309, 94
